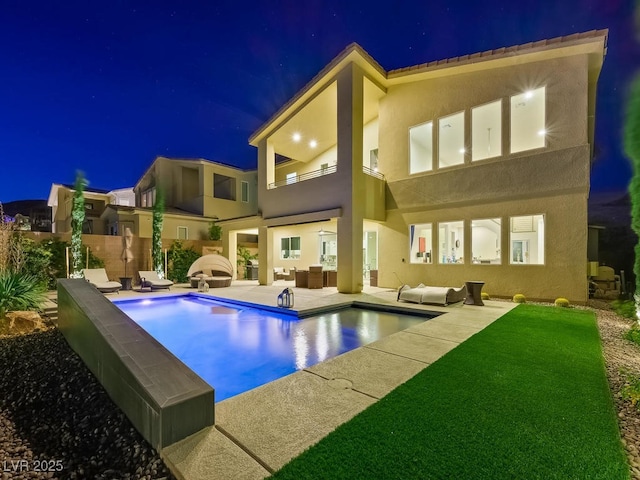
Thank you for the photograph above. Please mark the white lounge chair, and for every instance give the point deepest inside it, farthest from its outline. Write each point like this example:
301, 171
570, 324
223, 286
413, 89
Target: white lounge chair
150, 279
99, 279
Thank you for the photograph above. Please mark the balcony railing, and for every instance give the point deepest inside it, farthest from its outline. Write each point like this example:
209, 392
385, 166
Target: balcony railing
372, 172
303, 176
319, 173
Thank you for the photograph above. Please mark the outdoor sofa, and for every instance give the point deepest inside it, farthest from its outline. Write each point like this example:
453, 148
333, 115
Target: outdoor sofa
432, 295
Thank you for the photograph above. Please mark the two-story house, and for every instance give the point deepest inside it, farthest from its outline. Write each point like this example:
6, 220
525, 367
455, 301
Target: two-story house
469, 168
197, 192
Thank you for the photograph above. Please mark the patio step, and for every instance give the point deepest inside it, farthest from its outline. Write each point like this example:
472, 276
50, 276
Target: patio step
51, 313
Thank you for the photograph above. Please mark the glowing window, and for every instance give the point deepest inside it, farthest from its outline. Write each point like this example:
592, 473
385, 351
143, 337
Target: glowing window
421, 148
451, 148
527, 240
451, 242
528, 129
485, 241
486, 131
421, 247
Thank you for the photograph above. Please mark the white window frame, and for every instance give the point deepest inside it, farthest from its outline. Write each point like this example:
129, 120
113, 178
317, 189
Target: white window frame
491, 254
418, 254
417, 144
451, 132
528, 120
527, 241
286, 253
486, 131
451, 247
186, 233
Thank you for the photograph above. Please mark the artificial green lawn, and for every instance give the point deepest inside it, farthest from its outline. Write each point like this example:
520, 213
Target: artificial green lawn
525, 398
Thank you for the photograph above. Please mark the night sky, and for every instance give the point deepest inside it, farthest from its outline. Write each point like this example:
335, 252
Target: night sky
106, 86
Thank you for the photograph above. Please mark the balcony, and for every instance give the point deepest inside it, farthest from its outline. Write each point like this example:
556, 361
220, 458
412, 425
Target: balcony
319, 173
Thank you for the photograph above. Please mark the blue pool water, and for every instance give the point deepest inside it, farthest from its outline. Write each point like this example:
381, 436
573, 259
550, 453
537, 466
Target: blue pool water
236, 348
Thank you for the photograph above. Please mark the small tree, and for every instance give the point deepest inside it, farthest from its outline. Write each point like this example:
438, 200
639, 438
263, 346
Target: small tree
156, 247
244, 255
77, 220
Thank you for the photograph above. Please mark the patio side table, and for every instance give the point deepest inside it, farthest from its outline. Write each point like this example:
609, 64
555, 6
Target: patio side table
474, 293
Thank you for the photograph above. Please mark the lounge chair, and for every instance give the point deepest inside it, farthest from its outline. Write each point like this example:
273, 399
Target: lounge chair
216, 270
432, 295
150, 279
98, 278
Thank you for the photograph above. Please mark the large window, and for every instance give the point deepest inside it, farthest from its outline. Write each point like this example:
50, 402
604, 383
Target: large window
290, 248
451, 242
485, 241
486, 131
451, 140
224, 187
148, 197
527, 240
528, 129
421, 238
421, 148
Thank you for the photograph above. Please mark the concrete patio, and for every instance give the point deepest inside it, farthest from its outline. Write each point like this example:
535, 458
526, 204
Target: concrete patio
258, 432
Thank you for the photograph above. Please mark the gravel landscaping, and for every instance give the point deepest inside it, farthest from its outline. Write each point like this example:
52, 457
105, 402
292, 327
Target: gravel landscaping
56, 421
56, 418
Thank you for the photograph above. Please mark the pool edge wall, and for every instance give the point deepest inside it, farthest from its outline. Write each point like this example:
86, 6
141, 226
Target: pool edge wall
164, 399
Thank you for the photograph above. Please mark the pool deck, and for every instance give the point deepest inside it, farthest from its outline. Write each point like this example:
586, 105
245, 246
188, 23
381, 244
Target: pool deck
258, 432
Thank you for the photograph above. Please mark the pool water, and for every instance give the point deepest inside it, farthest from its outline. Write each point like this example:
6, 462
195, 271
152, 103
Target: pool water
236, 348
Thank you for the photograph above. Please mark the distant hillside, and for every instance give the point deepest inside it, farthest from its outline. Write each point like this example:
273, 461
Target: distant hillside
23, 207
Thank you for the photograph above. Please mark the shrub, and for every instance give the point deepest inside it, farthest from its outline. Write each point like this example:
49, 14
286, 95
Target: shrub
561, 302
20, 292
180, 259
215, 231
485, 296
625, 308
633, 334
519, 298
631, 389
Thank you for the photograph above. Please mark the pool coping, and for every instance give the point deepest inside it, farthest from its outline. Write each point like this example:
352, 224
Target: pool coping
164, 399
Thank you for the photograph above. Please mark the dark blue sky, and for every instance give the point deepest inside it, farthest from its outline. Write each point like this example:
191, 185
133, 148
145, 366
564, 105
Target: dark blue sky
105, 86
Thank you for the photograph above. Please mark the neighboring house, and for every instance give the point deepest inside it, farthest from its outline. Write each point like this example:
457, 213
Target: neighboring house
197, 192
96, 202
470, 168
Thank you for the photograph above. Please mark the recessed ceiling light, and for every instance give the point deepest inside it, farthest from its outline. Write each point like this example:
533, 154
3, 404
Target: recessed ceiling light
296, 137
542, 133
528, 94
313, 144
461, 150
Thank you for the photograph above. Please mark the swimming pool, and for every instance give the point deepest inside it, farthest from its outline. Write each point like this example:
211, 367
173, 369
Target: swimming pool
235, 348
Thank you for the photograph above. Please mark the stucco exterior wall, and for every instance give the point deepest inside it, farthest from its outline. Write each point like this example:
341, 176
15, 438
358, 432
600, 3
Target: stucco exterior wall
412, 104
562, 275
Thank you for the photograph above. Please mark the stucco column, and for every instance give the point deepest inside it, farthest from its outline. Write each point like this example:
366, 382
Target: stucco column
265, 256
230, 249
349, 168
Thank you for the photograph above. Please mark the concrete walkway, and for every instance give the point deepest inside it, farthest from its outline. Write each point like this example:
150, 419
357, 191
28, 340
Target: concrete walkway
258, 432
